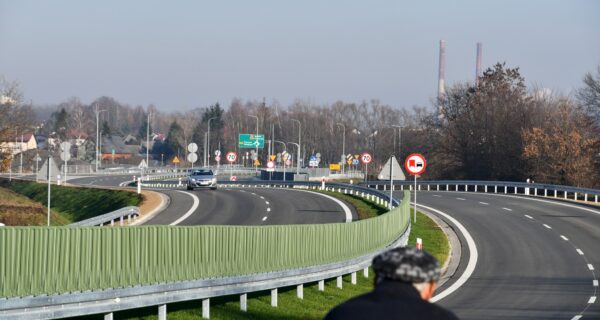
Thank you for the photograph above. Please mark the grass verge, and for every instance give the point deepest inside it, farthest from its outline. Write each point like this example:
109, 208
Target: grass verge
365, 209
73, 204
315, 304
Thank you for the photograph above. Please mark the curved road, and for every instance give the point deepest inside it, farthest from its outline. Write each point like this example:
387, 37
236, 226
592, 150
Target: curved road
535, 258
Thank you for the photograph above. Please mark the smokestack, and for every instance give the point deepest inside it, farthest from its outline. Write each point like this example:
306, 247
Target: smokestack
442, 78
478, 64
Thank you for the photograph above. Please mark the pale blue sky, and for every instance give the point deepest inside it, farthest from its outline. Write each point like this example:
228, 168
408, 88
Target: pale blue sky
184, 54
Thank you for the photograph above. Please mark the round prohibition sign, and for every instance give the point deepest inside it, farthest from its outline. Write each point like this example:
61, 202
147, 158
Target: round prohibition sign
231, 157
366, 158
415, 164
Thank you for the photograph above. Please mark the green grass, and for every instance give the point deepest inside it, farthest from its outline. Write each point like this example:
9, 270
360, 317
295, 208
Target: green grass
366, 209
315, 304
74, 204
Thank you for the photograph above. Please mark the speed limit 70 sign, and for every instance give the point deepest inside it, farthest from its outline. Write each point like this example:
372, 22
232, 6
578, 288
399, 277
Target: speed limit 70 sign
231, 157
366, 158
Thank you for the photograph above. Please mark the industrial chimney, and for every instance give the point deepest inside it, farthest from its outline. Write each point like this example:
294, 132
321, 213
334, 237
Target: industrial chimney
441, 79
478, 65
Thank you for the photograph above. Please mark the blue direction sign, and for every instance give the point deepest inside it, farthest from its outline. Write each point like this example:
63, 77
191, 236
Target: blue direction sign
251, 140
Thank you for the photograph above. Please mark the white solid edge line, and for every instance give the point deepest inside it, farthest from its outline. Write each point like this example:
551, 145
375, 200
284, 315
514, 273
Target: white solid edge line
591, 267
595, 283
592, 299
189, 213
564, 238
473, 256
347, 210
579, 251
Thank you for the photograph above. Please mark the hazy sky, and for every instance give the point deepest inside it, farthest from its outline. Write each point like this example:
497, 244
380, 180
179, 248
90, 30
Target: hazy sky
184, 54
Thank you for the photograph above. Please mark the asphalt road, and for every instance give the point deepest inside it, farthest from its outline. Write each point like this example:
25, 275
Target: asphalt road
530, 262
245, 206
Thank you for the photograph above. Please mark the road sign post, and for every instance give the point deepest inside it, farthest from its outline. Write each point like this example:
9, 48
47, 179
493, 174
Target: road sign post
366, 158
231, 157
415, 164
192, 148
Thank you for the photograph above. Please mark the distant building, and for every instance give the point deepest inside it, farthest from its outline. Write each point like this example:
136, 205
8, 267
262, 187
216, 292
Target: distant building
114, 148
18, 144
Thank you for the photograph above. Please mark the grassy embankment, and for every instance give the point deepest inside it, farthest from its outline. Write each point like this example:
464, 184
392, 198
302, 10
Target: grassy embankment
316, 303
24, 203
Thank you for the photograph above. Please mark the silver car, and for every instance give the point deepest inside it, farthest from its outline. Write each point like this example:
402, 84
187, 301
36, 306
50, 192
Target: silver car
202, 178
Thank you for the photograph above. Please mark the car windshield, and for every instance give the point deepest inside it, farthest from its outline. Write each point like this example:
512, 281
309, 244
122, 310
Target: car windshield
202, 173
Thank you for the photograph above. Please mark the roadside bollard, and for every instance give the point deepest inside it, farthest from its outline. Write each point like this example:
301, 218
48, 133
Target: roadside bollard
179, 184
419, 244
139, 185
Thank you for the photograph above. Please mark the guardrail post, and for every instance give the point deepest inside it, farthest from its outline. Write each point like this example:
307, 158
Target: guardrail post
139, 185
555, 193
419, 187
401, 187
456, 188
516, 190
596, 198
485, 188
321, 285
505, 189
545, 192
384, 187
206, 308
339, 282
575, 196
244, 302
108, 316
585, 198
475, 188
565, 195
274, 297
447, 187
535, 192
353, 277
121, 221
495, 189
162, 312
366, 272
438, 187
112, 222
300, 291
428, 187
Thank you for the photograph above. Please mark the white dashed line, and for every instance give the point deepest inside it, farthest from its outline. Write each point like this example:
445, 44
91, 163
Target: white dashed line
577, 317
595, 283
529, 217
591, 267
507, 209
564, 238
264, 218
268, 209
262, 197
592, 299
484, 203
547, 226
437, 195
267, 202
579, 251
461, 199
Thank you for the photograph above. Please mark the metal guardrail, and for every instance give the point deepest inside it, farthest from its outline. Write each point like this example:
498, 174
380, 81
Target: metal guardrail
585, 195
111, 217
238, 258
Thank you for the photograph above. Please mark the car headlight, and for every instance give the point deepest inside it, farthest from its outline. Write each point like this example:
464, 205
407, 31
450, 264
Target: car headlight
214, 180
192, 180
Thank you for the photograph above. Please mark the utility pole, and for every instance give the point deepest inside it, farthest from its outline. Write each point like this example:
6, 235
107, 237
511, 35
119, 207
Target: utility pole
21, 164
343, 158
97, 134
208, 139
148, 139
255, 138
299, 143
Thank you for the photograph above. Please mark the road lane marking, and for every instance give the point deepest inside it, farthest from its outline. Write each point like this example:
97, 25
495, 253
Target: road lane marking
267, 202
484, 203
347, 211
461, 199
264, 218
577, 317
473, 256
547, 226
262, 197
529, 217
579, 251
437, 195
592, 299
507, 209
268, 209
564, 238
591, 267
190, 212
595, 283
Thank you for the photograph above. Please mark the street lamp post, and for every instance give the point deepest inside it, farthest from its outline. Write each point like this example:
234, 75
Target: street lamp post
208, 140
298, 148
285, 149
148, 140
255, 137
343, 147
98, 134
299, 144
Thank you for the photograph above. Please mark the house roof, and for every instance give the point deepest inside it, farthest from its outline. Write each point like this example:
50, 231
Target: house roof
114, 142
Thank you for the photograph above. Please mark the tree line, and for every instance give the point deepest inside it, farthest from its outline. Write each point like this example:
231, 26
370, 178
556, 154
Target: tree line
497, 130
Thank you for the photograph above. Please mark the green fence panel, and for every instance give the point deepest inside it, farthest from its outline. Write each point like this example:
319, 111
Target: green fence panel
51, 260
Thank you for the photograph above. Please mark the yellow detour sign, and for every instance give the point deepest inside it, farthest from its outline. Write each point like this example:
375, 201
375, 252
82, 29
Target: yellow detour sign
349, 161
272, 157
256, 163
334, 166
176, 160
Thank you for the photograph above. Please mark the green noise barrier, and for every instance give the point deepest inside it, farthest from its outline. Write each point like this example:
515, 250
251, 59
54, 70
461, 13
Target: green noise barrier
53, 260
